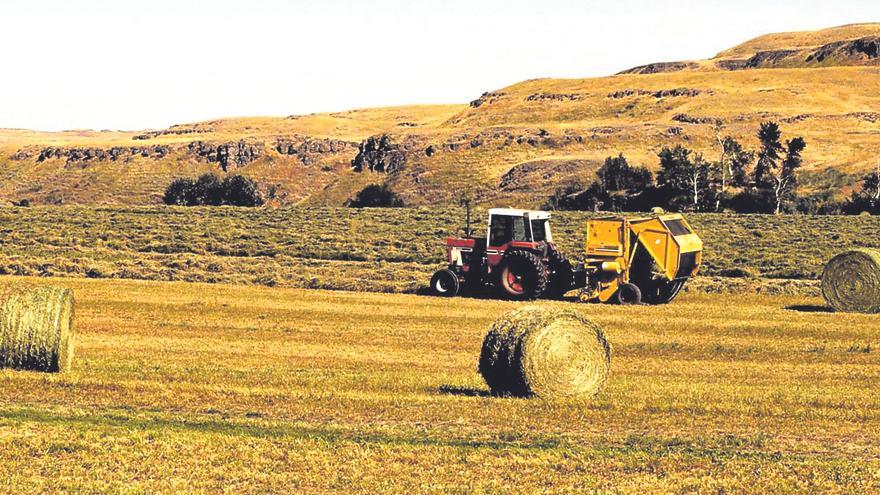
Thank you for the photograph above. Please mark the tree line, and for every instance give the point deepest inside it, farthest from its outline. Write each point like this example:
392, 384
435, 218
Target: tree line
739, 180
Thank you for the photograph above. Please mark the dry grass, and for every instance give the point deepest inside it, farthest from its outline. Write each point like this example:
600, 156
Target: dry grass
214, 388
385, 250
801, 39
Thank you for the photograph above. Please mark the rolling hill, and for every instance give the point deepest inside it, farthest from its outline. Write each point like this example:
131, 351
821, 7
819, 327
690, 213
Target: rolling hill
510, 145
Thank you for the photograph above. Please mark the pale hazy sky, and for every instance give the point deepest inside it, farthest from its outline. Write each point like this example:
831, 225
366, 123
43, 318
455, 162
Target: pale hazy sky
119, 64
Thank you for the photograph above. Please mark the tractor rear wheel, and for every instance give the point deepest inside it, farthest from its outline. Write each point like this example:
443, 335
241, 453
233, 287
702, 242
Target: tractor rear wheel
523, 276
444, 283
628, 294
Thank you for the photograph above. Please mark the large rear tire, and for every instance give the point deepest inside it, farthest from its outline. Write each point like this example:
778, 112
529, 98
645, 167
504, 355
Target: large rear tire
560, 275
522, 276
444, 283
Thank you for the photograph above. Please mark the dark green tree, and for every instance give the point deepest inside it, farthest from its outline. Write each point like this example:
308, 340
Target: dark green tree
616, 174
736, 162
686, 179
768, 158
868, 198
773, 172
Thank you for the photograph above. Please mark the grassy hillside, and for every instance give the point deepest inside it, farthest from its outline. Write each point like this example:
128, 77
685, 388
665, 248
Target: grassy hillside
226, 389
394, 250
513, 145
801, 40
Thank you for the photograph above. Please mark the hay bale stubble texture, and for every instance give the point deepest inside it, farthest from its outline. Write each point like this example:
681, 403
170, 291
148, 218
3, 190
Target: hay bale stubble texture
851, 281
547, 352
36, 328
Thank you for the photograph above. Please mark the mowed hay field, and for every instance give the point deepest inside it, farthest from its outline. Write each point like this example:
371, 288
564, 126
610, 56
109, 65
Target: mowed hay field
378, 250
229, 389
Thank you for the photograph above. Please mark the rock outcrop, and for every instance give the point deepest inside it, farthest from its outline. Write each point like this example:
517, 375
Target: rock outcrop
555, 97
171, 131
846, 52
115, 153
663, 93
487, 98
860, 50
690, 119
310, 150
379, 154
661, 67
226, 155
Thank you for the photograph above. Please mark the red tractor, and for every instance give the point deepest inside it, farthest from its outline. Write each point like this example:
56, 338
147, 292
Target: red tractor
517, 258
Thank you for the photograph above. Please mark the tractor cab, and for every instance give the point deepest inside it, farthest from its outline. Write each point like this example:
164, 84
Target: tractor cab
513, 228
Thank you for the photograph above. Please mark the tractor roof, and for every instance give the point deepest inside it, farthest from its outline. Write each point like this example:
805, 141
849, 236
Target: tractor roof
516, 212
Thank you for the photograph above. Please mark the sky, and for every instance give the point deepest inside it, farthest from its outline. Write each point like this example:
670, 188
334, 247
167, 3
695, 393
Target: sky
131, 65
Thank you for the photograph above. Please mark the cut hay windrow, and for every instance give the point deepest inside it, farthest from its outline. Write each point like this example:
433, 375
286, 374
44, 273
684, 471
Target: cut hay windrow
36, 328
851, 281
547, 352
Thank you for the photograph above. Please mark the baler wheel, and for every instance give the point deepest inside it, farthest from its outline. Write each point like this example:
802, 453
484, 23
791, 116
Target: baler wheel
628, 294
661, 292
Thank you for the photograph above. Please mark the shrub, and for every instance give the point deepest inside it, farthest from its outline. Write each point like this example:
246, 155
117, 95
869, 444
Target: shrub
209, 190
375, 196
751, 201
241, 191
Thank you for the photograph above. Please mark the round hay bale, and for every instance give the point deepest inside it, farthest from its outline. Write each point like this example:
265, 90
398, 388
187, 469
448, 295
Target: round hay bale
548, 352
36, 328
851, 281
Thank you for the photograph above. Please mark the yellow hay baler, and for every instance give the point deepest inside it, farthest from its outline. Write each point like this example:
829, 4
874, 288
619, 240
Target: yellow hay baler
634, 260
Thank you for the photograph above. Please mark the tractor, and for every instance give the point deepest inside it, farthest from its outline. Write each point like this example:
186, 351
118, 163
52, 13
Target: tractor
517, 258
628, 260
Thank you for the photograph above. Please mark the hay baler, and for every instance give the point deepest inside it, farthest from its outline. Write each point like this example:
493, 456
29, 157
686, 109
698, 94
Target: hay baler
635, 260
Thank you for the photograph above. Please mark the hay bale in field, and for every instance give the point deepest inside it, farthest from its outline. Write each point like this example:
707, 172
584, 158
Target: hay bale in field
851, 281
548, 352
36, 328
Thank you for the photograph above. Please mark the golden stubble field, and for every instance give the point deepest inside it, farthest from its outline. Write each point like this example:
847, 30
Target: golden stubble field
230, 389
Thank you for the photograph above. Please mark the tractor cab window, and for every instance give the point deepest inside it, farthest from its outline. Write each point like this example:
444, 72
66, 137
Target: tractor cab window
539, 230
505, 229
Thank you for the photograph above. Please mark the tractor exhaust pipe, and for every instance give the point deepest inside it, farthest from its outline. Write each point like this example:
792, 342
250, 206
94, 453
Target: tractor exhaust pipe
468, 231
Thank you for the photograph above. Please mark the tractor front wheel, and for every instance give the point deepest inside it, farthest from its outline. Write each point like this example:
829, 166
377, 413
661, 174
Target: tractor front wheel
629, 294
523, 276
444, 283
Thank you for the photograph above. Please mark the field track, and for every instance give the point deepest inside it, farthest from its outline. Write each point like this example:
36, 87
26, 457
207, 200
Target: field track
220, 388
